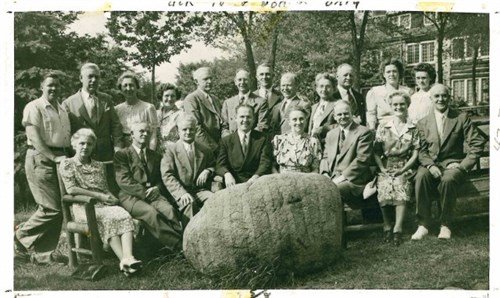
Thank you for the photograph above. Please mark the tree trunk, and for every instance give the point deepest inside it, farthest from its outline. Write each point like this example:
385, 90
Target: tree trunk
244, 29
153, 85
274, 45
357, 44
474, 66
440, 42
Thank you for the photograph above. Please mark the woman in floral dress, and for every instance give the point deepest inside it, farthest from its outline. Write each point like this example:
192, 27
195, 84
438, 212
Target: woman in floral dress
83, 176
296, 151
167, 115
135, 110
396, 151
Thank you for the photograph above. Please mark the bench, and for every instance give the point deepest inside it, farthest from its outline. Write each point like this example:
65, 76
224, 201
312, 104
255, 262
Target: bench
473, 201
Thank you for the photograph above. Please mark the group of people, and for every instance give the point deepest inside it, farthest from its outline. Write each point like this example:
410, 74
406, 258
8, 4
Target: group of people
169, 162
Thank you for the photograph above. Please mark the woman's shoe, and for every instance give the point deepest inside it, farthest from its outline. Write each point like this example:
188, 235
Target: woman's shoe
387, 236
397, 239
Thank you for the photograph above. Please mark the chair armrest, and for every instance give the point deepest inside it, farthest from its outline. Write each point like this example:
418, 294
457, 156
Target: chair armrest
79, 199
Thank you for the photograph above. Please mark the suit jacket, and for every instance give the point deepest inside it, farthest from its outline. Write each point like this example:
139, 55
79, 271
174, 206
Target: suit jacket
360, 101
107, 129
131, 175
257, 161
327, 121
457, 130
272, 100
229, 113
353, 160
177, 173
209, 118
279, 123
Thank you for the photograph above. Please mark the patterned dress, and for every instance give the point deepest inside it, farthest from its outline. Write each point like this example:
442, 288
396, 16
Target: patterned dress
167, 126
111, 220
293, 154
395, 148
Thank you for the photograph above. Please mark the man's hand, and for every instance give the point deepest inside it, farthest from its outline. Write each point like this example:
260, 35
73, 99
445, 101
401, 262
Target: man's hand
185, 200
116, 148
58, 159
252, 180
435, 172
229, 180
203, 178
152, 193
339, 179
110, 199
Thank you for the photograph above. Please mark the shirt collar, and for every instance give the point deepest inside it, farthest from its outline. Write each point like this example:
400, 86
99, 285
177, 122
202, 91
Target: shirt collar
188, 146
439, 114
342, 90
390, 124
241, 134
246, 95
137, 149
85, 94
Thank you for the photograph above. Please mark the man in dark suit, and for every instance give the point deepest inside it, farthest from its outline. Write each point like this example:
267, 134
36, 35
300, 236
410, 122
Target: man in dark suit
89, 108
205, 108
244, 155
345, 79
266, 91
279, 115
348, 155
443, 160
187, 168
142, 193
244, 96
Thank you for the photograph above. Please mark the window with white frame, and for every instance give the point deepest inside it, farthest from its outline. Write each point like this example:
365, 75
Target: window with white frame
461, 48
427, 51
462, 90
404, 20
420, 52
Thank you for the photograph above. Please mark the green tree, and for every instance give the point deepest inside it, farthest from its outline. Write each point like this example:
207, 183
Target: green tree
152, 37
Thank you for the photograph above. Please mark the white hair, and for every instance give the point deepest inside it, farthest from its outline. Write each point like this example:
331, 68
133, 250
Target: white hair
89, 65
199, 71
82, 132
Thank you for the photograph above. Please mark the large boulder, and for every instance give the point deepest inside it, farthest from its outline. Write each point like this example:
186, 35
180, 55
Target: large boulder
290, 222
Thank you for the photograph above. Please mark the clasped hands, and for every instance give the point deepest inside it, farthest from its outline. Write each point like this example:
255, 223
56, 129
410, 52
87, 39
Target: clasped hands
109, 199
437, 173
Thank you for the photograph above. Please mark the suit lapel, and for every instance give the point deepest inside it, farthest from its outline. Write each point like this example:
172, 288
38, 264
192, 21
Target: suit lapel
351, 136
137, 160
311, 119
182, 155
238, 150
334, 149
83, 111
433, 129
214, 108
150, 160
198, 158
327, 111
273, 100
449, 124
101, 107
295, 101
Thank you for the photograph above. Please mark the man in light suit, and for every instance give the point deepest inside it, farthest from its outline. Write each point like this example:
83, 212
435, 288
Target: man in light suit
244, 155
205, 108
142, 192
244, 96
279, 115
187, 168
348, 156
266, 91
443, 160
345, 79
89, 108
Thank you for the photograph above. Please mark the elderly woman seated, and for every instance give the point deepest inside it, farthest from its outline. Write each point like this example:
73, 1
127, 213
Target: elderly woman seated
83, 176
296, 151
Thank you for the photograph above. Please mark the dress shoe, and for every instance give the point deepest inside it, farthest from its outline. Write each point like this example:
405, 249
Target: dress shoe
21, 254
397, 238
420, 233
444, 233
387, 236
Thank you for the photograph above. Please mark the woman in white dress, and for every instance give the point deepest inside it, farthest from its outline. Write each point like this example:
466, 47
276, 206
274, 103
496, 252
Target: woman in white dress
83, 176
135, 110
378, 109
421, 104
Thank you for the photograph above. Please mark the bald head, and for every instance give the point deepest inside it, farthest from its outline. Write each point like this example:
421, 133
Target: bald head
440, 96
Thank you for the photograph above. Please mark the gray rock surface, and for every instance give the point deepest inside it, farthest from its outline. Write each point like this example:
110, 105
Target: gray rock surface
291, 222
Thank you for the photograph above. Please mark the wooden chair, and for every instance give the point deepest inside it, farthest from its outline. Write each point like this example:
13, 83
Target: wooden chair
75, 230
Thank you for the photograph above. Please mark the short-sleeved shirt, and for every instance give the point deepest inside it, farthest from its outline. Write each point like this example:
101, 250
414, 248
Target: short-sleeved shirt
139, 112
53, 124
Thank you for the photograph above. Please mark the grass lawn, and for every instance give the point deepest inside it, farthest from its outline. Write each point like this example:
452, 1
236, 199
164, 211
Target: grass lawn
462, 262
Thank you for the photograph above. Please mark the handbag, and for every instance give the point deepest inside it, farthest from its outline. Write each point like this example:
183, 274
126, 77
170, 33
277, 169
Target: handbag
370, 188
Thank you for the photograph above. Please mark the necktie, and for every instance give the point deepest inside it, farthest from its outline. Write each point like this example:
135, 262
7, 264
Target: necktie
441, 127
242, 99
284, 105
190, 155
244, 144
352, 102
266, 94
142, 156
93, 108
319, 115
342, 138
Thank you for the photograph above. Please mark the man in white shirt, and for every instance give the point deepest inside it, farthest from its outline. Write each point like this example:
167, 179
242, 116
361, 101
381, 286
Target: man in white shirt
345, 79
187, 168
244, 96
444, 161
